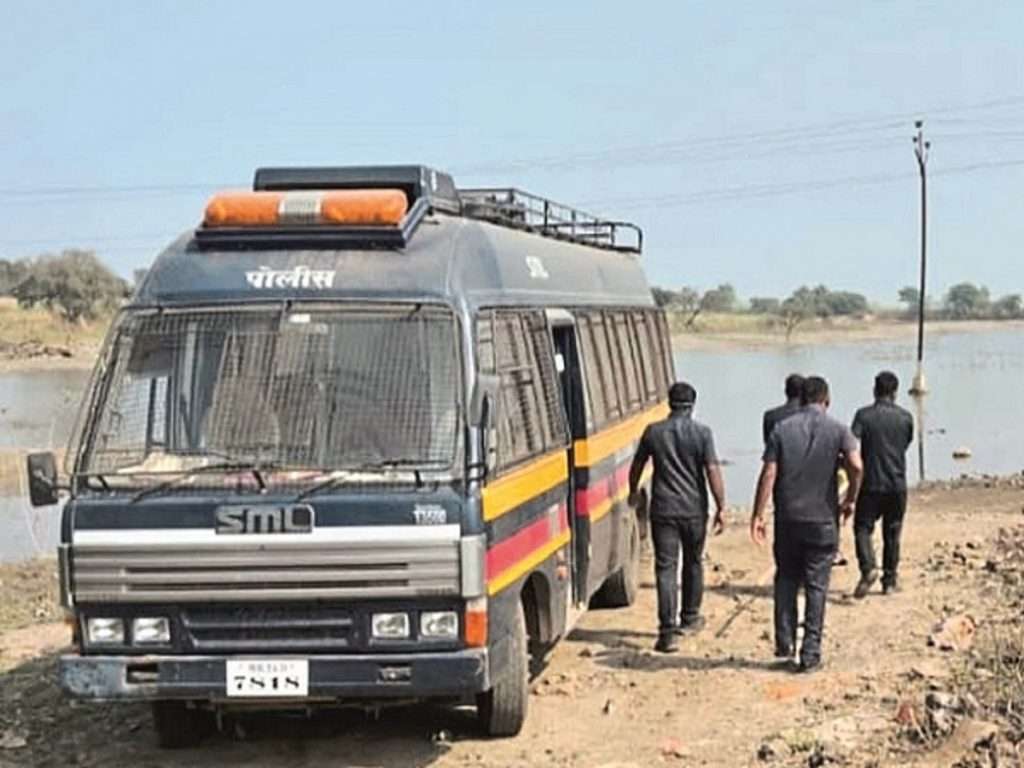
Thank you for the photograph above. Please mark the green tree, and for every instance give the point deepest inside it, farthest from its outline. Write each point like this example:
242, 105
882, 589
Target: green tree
967, 300
765, 305
846, 303
689, 301
720, 299
11, 273
76, 284
802, 304
1008, 307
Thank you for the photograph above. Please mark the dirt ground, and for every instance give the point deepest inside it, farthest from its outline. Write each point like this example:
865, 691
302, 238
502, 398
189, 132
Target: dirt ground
605, 698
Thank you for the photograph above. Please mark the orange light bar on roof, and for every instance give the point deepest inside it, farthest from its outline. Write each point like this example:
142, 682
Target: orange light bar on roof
352, 207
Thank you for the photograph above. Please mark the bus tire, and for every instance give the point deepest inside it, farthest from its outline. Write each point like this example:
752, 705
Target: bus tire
502, 710
620, 589
179, 726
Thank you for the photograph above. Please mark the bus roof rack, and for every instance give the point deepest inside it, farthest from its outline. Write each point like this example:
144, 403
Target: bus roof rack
514, 208
427, 190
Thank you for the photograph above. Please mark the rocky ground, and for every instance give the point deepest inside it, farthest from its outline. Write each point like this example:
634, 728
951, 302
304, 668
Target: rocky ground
933, 676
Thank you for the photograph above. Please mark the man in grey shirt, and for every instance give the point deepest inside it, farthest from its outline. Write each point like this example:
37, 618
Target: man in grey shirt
799, 475
885, 432
685, 464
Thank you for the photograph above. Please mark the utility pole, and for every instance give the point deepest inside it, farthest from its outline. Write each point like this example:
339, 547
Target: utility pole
921, 147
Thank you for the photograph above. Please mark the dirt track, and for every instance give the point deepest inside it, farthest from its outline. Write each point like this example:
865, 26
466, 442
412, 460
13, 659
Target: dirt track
605, 699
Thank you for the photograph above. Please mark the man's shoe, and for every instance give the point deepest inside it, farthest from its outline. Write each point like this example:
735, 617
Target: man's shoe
784, 652
809, 666
667, 643
867, 581
890, 587
691, 626
839, 560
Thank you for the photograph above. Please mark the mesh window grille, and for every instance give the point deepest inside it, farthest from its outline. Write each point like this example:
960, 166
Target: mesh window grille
324, 388
623, 360
516, 346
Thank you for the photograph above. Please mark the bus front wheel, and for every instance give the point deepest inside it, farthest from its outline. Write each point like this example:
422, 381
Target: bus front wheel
502, 710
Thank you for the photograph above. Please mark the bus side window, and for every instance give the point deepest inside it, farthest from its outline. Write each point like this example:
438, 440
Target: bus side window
597, 393
649, 359
552, 412
529, 416
609, 365
628, 368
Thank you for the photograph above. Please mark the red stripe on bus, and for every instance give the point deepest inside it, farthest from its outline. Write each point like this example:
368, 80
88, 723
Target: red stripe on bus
601, 490
507, 552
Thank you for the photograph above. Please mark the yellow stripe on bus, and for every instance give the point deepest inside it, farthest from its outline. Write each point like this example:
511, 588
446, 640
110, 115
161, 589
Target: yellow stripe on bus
521, 485
591, 450
509, 575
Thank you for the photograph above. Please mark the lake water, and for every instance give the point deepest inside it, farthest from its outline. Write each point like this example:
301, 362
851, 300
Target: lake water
975, 383
975, 401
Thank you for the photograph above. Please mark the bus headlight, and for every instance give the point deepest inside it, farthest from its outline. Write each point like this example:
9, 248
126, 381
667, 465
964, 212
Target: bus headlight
439, 625
390, 626
151, 631
103, 631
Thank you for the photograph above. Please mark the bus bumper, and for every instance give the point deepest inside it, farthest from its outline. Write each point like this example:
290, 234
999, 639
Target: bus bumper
367, 677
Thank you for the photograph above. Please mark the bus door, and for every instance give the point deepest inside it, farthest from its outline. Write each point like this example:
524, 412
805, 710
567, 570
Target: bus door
567, 363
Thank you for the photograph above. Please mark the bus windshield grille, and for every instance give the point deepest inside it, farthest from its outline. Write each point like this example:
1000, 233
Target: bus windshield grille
338, 388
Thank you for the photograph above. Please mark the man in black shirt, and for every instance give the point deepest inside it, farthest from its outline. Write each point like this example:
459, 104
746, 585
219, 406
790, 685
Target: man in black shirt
773, 416
885, 431
799, 474
685, 464
794, 391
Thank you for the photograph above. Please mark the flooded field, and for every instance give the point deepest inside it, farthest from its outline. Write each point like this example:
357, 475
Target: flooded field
975, 379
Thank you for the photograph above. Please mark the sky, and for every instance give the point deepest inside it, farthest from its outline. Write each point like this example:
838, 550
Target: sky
763, 144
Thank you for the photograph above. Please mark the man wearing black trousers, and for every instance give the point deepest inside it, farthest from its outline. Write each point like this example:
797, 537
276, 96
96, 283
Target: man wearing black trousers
885, 431
799, 473
685, 464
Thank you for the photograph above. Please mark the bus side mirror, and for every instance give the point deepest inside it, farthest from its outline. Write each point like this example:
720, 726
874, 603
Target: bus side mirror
42, 479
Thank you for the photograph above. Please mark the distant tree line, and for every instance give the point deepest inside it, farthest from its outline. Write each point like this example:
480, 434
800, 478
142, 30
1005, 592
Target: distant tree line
963, 301
75, 284
966, 301
803, 304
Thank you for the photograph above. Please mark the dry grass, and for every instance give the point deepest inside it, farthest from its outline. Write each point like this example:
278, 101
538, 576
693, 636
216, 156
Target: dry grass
745, 323
44, 327
28, 593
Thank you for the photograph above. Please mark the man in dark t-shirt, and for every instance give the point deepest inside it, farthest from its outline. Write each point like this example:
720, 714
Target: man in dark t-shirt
685, 464
799, 474
794, 392
885, 431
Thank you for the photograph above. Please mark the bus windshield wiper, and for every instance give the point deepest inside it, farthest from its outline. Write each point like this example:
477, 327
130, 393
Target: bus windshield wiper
342, 475
254, 468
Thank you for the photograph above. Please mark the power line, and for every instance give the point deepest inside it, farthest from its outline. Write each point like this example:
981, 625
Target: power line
772, 189
687, 149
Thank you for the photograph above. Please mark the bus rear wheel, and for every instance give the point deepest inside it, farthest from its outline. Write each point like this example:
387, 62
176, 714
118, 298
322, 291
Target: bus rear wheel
502, 710
621, 588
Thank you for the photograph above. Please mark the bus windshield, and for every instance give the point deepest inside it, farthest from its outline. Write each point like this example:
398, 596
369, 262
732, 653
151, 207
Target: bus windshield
313, 388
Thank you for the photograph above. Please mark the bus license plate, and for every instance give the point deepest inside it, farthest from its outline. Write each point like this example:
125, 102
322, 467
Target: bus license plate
267, 678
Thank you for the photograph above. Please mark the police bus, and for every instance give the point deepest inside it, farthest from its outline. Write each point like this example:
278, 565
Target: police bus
359, 437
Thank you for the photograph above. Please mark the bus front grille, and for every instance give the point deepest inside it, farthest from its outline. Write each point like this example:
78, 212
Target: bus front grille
265, 571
